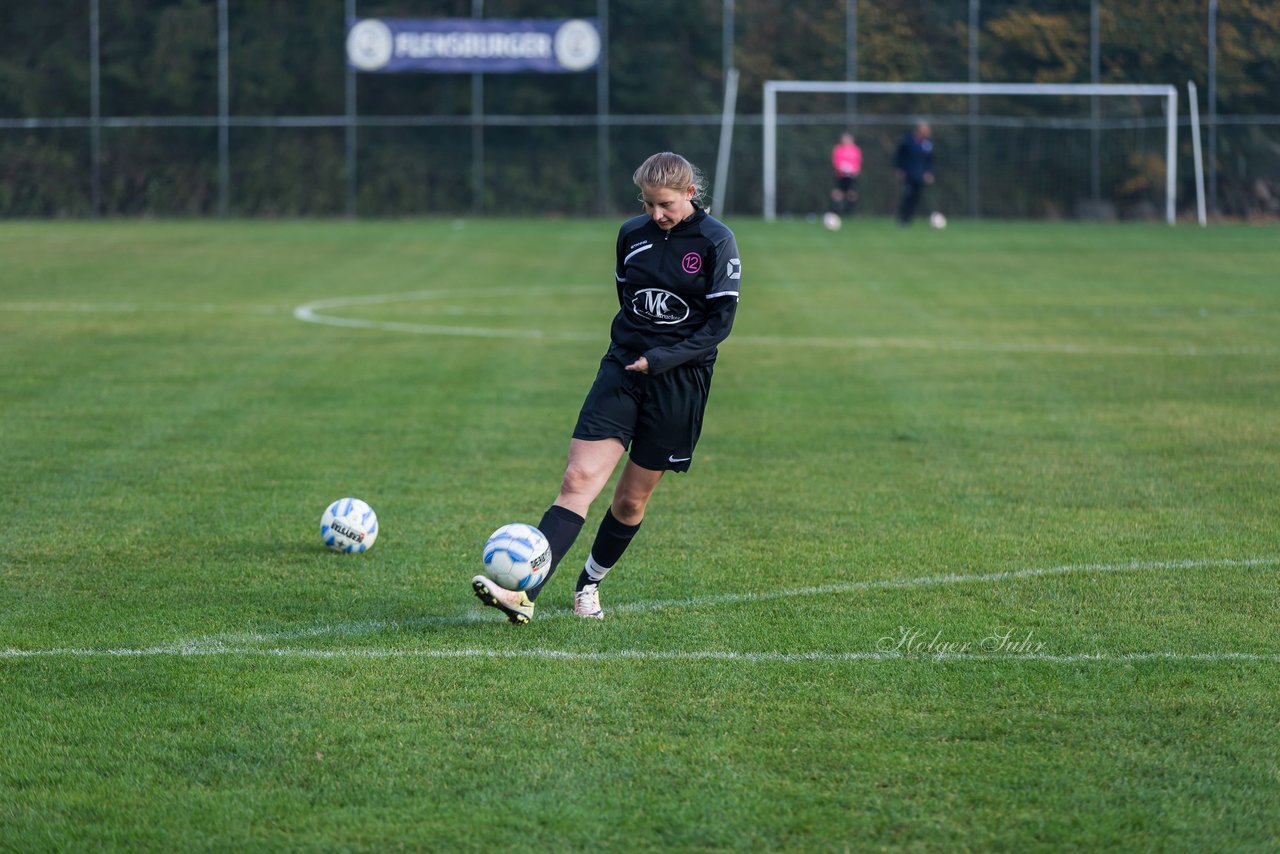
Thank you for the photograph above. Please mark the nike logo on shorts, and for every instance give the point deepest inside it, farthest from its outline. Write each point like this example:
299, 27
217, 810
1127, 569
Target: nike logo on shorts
675, 459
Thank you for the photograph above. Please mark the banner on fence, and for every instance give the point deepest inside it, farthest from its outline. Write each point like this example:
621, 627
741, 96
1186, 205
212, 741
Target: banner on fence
469, 45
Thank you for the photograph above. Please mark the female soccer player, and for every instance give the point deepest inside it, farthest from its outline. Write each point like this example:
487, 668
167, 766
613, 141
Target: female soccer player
846, 162
678, 275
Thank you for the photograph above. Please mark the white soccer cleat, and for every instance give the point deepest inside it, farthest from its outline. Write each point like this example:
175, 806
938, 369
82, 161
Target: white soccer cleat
516, 605
586, 603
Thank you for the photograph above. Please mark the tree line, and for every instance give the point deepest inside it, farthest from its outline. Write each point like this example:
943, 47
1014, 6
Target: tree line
159, 59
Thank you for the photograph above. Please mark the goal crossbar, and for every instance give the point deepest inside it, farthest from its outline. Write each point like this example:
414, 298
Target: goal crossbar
773, 87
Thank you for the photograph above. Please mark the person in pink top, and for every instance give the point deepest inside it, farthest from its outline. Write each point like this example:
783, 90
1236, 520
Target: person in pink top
846, 160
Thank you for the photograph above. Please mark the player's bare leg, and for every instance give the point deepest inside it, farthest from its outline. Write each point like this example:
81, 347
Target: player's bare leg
631, 495
591, 464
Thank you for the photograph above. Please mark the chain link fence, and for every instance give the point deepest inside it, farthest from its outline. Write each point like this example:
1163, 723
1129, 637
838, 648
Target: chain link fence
241, 108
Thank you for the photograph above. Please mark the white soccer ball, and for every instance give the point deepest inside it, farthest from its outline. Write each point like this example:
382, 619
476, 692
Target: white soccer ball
349, 525
937, 220
831, 221
517, 556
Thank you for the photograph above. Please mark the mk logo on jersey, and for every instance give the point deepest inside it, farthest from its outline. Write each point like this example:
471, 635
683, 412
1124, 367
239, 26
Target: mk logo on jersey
661, 307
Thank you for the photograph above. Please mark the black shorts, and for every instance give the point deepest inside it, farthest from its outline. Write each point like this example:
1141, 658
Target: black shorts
659, 417
845, 183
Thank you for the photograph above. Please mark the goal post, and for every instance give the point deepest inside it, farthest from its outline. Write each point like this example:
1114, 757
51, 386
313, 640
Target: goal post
726, 142
772, 88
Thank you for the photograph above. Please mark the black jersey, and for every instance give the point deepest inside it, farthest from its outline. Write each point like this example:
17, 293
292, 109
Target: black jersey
914, 157
677, 291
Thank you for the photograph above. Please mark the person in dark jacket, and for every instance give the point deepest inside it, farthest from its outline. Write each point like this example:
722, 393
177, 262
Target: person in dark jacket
913, 164
678, 275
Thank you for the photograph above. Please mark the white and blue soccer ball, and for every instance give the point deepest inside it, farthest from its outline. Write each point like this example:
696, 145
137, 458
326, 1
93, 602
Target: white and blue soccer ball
349, 525
517, 557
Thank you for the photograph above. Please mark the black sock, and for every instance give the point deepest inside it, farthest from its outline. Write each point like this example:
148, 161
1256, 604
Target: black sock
560, 526
612, 539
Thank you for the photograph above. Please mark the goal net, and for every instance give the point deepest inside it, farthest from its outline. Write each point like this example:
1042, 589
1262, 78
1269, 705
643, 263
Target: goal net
1002, 150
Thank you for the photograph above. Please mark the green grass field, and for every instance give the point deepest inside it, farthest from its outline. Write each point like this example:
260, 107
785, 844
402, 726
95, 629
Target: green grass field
1063, 436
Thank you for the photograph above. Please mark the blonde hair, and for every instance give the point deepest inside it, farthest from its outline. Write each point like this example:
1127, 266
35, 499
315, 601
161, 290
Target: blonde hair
670, 170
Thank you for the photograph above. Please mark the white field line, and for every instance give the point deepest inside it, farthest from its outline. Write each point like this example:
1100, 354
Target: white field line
926, 344
640, 655
935, 580
243, 644
322, 312
476, 615
134, 308
312, 313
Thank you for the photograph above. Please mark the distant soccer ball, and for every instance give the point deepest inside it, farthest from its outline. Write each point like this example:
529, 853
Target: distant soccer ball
349, 525
517, 556
937, 220
831, 221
